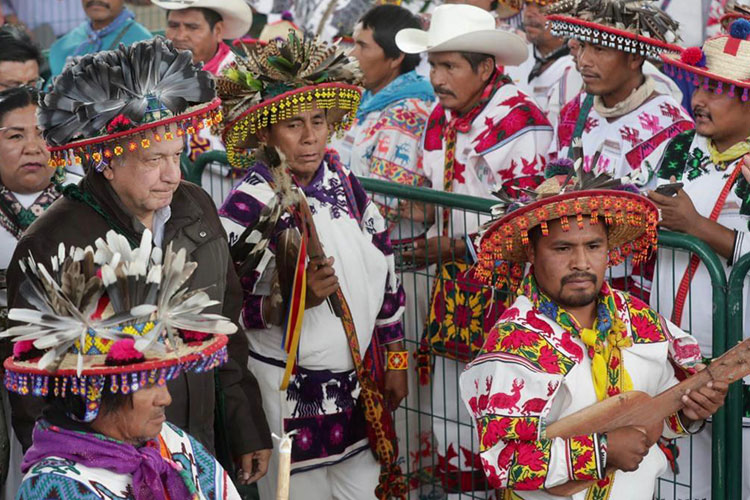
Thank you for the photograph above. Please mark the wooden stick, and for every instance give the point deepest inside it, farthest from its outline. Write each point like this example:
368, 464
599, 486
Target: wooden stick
285, 466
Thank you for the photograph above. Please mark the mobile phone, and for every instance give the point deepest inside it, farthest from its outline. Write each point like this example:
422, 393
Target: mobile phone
669, 189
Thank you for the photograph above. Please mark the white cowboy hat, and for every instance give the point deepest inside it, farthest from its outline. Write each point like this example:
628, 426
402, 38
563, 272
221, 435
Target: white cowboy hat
236, 14
464, 28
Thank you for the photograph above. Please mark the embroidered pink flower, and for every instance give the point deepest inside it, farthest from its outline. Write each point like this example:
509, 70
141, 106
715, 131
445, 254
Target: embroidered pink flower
532, 457
526, 430
304, 438
548, 360
337, 434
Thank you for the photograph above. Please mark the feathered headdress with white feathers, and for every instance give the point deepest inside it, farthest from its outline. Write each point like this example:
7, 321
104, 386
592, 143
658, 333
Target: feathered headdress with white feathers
114, 313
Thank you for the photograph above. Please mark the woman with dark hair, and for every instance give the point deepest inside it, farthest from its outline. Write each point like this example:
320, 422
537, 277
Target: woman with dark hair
27, 188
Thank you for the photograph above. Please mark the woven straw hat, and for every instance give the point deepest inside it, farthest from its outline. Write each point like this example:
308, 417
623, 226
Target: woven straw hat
722, 64
630, 217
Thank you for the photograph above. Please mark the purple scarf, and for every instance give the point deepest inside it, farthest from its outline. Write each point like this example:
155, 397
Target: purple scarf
153, 476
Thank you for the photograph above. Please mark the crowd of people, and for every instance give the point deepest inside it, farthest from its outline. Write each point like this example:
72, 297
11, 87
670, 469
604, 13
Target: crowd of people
156, 336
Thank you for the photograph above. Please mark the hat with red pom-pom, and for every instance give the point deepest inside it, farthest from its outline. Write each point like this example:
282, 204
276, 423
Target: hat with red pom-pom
721, 65
633, 26
111, 319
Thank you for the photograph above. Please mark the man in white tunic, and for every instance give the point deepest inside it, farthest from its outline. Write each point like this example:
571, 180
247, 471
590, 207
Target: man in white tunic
570, 340
554, 79
713, 205
484, 131
620, 118
311, 370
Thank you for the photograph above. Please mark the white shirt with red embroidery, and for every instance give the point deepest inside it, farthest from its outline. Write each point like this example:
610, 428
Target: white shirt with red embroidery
631, 144
507, 140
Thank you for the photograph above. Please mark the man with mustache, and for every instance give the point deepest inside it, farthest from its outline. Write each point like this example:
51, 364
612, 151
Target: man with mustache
109, 24
554, 79
570, 340
713, 204
201, 26
620, 119
483, 132
133, 185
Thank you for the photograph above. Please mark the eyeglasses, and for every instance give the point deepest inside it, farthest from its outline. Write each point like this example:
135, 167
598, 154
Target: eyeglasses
37, 84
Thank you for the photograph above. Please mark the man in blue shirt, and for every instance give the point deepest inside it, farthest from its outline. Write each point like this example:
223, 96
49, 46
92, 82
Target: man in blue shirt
109, 24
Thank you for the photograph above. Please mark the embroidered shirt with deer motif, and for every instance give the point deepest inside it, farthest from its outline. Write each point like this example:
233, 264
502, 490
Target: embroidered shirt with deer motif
534, 369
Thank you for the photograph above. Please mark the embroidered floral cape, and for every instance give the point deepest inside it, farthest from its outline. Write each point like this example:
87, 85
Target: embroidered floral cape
534, 369
631, 144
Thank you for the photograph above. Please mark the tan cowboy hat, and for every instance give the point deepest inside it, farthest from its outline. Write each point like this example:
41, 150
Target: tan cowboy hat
464, 28
236, 14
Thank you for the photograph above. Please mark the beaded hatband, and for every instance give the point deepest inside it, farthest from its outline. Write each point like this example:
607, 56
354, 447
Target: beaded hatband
238, 135
608, 36
106, 147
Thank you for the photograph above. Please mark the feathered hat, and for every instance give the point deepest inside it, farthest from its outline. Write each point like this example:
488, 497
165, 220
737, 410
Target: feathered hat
110, 318
569, 194
634, 26
280, 80
722, 65
103, 103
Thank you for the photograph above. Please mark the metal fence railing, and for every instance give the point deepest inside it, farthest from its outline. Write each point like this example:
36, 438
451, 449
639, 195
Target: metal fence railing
437, 440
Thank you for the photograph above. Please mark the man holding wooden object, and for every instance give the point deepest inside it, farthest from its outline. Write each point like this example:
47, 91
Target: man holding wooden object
571, 345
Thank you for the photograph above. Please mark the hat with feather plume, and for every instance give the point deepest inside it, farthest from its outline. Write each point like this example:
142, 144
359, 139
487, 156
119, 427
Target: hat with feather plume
102, 104
110, 319
280, 80
633, 26
568, 194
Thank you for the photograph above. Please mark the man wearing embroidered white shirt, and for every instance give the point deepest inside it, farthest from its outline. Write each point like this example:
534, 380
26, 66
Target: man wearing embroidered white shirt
620, 115
713, 204
484, 131
554, 78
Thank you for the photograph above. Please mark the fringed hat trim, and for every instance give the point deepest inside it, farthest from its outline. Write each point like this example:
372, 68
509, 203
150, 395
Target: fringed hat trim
25, 378
631, 218
108, 146
608, 36
332, 95
721, 65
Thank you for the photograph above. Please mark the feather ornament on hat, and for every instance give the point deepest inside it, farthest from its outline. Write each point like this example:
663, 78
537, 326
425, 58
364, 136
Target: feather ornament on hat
110, 311
105, 97
278, 81
634, 26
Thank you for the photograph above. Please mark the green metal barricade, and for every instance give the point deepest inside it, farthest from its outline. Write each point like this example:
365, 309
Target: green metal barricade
735, 404
434, 413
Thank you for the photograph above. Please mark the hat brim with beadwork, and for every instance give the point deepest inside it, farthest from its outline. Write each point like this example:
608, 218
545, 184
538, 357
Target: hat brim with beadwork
103, 104
111, 318
722, 64
24, 377
631, 220
280, 80
609, 36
